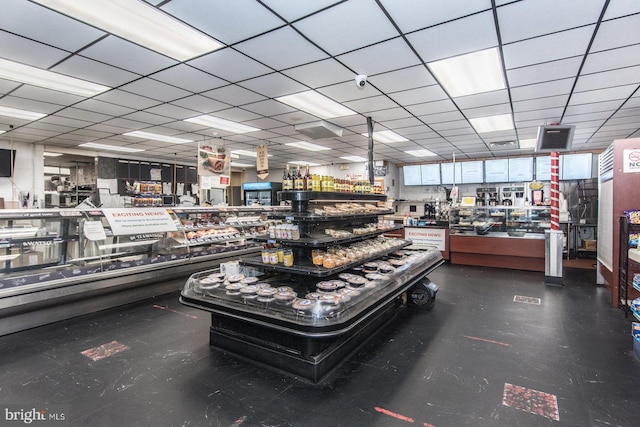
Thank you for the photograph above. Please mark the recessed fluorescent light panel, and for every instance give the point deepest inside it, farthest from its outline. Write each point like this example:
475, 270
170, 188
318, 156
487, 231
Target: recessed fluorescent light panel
247, 153
27, 74
386, 136
354, 158
316, 104
242, 165
20, 114
302, 163
110, 147
421, 153
222, 124
140, 23
50, 154
492, 123
528, 143
157, 137
471, 73
307, 146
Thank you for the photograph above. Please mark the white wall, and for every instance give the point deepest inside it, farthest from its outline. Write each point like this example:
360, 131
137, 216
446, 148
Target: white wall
28, 176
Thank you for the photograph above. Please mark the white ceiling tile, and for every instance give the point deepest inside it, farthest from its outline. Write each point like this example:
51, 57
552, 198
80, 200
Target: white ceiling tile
273, 85
389, 114
188, 78
482, 99
294, 10
286, 49
404, 79
623, 76
128, 56
268, 107
126, 124
226, 21
348, 91
347, 32
367, 105
230, 65
611, 59
609, 94
419, 95
470, 34
609, 33
321, 73
7, 86
127, 99
386, 56
29, 52
65, 121
155, 90
233, 95
540, 116
560, 69
411, 15
399, 125
148, 118
296, 117
620, 8
540, 90
432, 107
456, 124
200, 103
93, 71
103, 107
548, 48
540, 103
172, 111
236, 114
46, 95
29, 104
544, 17
80, 114
447, 116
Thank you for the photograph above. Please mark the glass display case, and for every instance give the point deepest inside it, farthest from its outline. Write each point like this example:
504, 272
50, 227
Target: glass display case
338, 281
503, 221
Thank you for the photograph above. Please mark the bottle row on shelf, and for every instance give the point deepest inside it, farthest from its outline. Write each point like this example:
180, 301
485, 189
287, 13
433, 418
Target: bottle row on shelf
296, 181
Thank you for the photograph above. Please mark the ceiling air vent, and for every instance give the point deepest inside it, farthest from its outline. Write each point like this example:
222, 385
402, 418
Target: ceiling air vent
319, 130
501, 143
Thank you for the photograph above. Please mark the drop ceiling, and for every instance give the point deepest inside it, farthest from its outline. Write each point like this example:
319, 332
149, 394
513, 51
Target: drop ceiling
571, 62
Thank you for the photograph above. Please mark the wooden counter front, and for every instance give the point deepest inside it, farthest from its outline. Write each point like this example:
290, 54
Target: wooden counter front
517, 253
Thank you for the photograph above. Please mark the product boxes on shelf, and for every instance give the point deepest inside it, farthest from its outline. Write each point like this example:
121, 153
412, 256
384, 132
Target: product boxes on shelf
635, 331
590, 245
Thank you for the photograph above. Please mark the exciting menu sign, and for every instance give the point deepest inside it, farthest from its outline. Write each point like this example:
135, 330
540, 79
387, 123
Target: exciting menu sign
136, 221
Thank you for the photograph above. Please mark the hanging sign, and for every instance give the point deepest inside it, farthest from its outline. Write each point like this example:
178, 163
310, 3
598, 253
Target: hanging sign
215, 162
262, 161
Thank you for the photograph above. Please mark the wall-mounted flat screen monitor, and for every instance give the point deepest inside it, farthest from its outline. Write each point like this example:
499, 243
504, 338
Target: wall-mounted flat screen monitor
472, 172
430, 174
6, 165
496, 170
543, 168
412, 175
521, 169
554, 138
446, 172
576, 166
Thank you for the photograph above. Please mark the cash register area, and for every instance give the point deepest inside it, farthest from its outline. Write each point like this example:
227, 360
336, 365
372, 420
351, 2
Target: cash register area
499, 348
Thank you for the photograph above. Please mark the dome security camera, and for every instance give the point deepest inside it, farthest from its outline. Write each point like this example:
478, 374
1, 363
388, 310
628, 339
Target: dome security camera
361, 80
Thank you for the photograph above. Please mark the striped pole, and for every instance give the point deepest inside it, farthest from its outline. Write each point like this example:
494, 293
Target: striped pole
555, 191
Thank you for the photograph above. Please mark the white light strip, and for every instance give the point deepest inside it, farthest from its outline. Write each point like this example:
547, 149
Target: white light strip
157, 137
222, 124
471, 73
307, 146
421, 153
242, 165
27, 74
316, 104
386, 136
302, 163
354, 158
110, 147
20, 114
49, 154
528, 143
55, 170
247, 153
492, 123
140, 23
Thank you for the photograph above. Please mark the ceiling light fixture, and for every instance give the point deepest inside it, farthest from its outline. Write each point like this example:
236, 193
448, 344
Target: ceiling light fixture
471, 73
528, 143
492, 123
222, 124
50, 154
157, 137
302, 163
110, 147
242, 165
20, 114
139, 23
386, 136
27, 74
421, 153
354, 158
248, 153
307, 146
316, 104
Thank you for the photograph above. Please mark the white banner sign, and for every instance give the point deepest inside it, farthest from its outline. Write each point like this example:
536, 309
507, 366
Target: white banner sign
262, 161
424, 237
135, 221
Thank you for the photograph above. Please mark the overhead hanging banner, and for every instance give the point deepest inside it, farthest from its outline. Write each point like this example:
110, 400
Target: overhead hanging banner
262, 161
214, 162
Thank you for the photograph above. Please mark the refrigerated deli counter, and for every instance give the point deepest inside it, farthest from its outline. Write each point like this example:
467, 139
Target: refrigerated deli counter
55, 263
345, 281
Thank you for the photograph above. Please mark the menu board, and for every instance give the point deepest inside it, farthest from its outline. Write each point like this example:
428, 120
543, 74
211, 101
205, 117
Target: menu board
430, 174
576, 166
496, 170
446, 171
521, 169
412, 175
472, 172
543, 168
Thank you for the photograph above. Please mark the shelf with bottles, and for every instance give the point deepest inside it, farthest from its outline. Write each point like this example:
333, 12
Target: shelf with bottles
297, 181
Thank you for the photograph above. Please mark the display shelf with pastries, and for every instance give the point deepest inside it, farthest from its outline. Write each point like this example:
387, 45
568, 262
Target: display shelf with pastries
63, 258
305, 314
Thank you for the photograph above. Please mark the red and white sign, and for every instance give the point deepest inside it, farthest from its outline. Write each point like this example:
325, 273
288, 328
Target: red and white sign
631, 160
424, 237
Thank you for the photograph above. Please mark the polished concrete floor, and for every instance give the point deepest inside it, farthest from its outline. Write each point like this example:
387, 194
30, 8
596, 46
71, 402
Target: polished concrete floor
499, 349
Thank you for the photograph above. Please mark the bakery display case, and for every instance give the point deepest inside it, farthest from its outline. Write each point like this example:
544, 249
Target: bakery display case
337, 281
515, 221
48, 256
